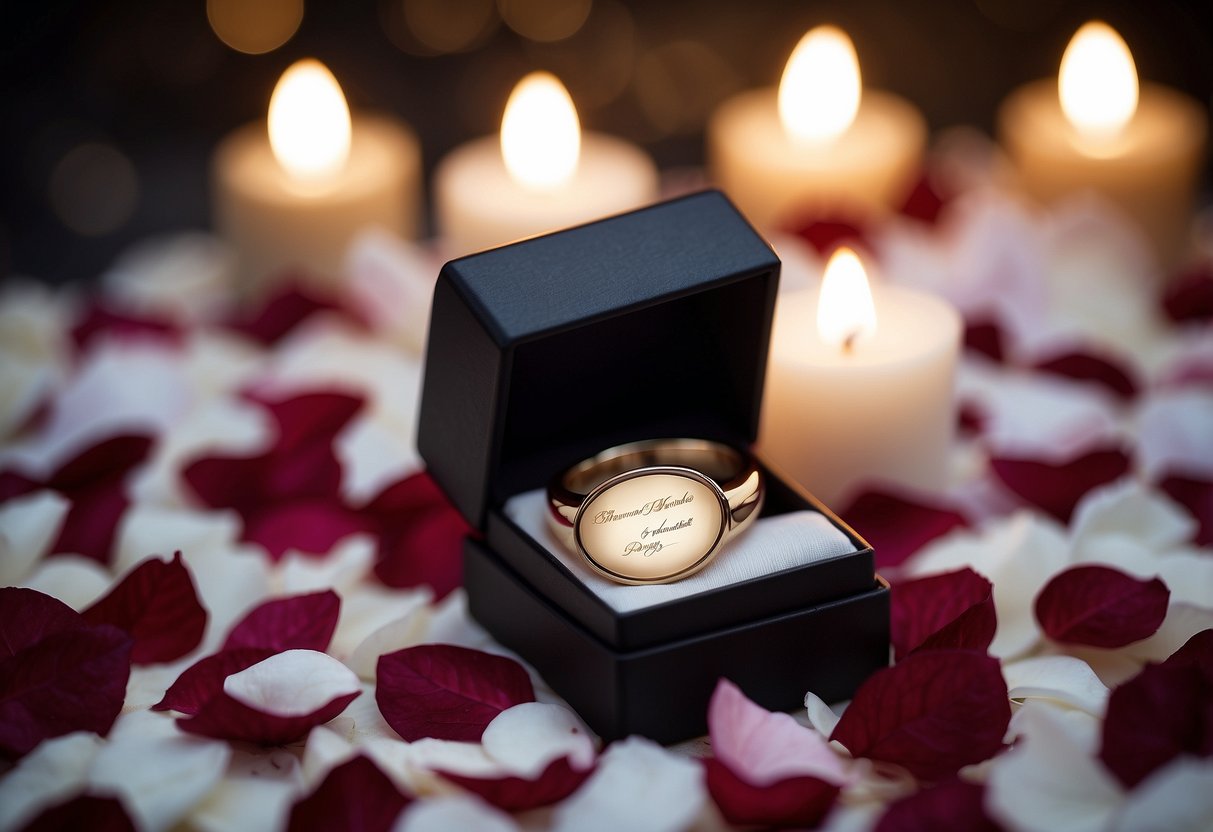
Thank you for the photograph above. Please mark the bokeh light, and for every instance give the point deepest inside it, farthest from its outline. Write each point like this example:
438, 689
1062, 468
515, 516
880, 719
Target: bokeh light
596, 63
679, 83
438, 27
254, 26
93, 189
545, 20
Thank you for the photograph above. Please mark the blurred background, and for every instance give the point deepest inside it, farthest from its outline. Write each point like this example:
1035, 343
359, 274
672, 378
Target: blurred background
109, 110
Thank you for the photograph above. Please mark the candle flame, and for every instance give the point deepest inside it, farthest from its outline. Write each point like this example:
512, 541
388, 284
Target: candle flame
309, 122
1098, 82
845, 311
820, 89
540, 134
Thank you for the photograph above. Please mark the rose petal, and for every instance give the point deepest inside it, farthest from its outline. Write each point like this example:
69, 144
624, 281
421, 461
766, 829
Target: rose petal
303, 622
145, 527
764, 748
1183, 621
898, 526
986, 337
102, 814
447, 813
1058, 488
1173, 436
53, 772
223, 717
100, 322
1189, 295
925, 201
1131, 509
72, 680
1059, 679
421, 536
932, 713
27, 617
1196, 495
1196, 652
447, 692
638, 785
527, 738
314, 526
794, 801
245, 802
203, 680
519, 794
284, 310
1101, 607
952, 609
1102, 370
1161, 713
355, 796
156, 604
1177, 797
951, 805
74, 580
27, 526
1049, 780
292, 683
406, 631
826, 234
821, 717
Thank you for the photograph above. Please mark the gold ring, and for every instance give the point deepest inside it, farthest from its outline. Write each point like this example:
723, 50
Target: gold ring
657, 511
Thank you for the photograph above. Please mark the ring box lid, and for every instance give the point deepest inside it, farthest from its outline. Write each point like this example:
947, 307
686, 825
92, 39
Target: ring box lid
544, 352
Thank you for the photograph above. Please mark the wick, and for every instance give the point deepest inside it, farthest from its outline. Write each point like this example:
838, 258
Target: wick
848, 343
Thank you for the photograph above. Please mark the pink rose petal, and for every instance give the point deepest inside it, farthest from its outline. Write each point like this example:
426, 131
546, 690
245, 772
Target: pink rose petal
447, 692
1196, 495
1161, 713
96, 814
286, 309
203, 680
1058, 488
1102, 370
1098, 606
793, 802
57, 678
762, 747
157, 605
952, 609
518, 794
898, 525
354, 797
933, 713
299, 622
950, 805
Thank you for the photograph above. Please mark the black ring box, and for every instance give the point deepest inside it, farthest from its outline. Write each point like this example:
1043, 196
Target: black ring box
648, 324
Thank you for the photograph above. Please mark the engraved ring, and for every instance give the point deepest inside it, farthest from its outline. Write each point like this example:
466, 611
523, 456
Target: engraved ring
657, 511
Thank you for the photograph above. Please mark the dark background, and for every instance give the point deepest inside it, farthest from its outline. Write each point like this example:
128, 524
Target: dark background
147, 87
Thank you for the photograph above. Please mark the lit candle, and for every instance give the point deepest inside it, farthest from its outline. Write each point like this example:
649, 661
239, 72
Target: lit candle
290, 198
540, 175
1094, 129
820, 144
860, 384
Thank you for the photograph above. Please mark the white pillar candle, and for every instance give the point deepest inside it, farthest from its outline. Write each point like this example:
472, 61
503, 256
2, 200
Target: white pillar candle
540, 175
290, 199
1094, 128
859, 385
820, 144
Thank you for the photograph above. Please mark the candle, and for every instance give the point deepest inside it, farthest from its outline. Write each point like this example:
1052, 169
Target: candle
860, 384
1094, 129
542, 174
290, 198
820, 144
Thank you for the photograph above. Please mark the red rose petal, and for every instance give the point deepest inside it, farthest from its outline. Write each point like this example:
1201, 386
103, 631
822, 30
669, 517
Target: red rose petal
157, 605
96, 814
303, 622
354, 797
1189, 296
72, 680
924, 202
306, 418
1156, 716
28, 616
517, 794
796, 801
286, 309
1102, 370
310, 526
825, 235
100, 321
933, 712
203, 680
986, 338
951, 806
953, 609
1197, 652
1057, 488
1196, 495
1099, 606
447, 692
898, 526
225, 718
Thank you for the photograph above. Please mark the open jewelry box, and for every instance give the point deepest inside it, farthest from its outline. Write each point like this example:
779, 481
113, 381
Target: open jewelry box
646, 325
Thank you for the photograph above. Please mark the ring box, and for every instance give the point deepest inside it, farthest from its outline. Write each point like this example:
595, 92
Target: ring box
645, 325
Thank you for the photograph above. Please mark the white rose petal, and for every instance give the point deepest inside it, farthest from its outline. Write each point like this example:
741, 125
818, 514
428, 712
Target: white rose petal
450, 623
51, 773
374, 454
528, 737
157, 771
147, 530
1058, 678
242, 803
76, 581
28, 526
405, 631
341, 570
637, 785
455, 812
466, 758
1131, 509
390, 281
821, 716
325, 750
292, 683
366, 608
362, 721
185, 277
1173, 435
1176, 798
1182, 622
1050, 780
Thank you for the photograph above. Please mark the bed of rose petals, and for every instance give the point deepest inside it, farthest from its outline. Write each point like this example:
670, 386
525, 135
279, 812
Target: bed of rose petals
232, 598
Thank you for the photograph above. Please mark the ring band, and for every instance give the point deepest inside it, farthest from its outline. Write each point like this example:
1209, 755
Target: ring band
655, 511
